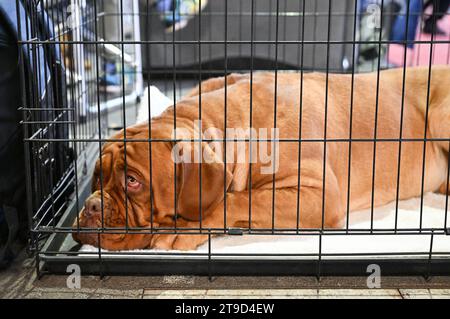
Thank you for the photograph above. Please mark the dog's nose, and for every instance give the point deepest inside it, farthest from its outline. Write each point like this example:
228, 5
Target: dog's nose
93, 206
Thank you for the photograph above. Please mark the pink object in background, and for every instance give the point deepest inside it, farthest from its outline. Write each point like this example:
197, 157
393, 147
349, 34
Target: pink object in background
420, 54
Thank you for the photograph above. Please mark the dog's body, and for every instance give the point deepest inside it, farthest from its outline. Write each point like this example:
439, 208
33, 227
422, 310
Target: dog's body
373, 104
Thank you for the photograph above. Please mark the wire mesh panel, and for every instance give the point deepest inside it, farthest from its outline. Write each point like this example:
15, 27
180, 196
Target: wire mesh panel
250, 162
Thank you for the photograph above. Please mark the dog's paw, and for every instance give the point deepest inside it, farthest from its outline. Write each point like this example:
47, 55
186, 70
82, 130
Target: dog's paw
189, 242
163, 242
177, 242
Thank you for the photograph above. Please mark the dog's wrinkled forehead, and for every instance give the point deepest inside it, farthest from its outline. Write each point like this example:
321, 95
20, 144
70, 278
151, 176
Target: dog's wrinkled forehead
117, 156
111, 155
134, 155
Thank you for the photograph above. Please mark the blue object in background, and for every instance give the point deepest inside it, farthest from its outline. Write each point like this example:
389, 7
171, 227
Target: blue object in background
400, 30
112, 76
179, 11
166, 7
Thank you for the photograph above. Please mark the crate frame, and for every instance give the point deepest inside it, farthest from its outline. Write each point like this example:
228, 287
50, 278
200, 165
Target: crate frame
52, 256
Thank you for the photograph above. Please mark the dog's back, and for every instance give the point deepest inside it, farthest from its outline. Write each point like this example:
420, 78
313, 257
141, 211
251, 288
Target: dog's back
361, 108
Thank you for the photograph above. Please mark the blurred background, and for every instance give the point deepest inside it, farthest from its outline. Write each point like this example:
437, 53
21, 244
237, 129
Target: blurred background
73, 72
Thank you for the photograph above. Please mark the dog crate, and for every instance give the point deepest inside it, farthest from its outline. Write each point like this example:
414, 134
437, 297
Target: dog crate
183, 43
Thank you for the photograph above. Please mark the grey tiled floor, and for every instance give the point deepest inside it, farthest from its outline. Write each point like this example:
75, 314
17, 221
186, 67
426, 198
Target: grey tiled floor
298, 294
20, 281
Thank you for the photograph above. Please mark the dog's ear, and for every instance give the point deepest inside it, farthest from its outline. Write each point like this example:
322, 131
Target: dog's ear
214, 178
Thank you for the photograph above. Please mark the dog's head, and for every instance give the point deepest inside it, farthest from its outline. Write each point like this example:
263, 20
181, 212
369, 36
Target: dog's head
133, 190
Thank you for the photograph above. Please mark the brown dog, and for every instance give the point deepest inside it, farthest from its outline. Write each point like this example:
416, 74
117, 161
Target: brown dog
302, 109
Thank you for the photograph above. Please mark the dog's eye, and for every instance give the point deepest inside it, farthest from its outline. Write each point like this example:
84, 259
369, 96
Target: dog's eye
132, 182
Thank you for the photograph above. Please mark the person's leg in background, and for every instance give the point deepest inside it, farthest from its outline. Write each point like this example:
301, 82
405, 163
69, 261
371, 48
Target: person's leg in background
401, 30
404, 31
440, 8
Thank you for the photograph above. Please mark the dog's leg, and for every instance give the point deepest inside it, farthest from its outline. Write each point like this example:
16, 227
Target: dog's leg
439, 119
444, 189
283, 215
